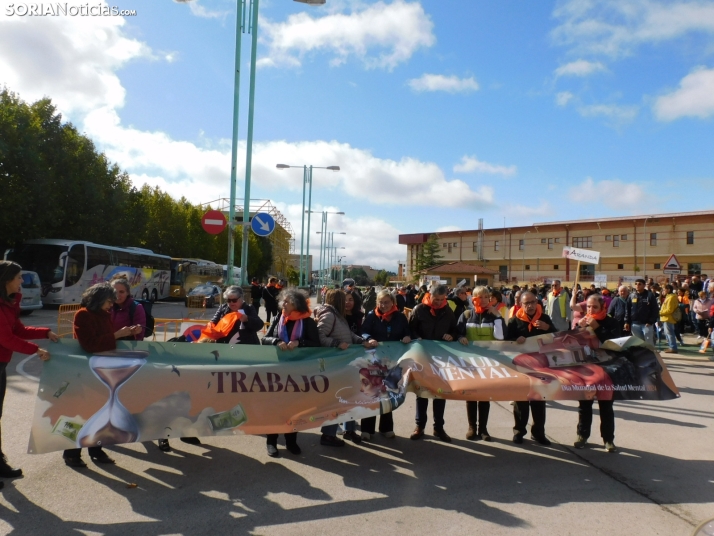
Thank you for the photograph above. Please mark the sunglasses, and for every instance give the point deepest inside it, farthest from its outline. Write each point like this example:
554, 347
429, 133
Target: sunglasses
233, 300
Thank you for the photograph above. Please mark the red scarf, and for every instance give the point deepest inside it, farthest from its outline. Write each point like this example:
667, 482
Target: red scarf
388, 315
402, 292
479, 310
521, 315
598, 316
556, 293
427, 301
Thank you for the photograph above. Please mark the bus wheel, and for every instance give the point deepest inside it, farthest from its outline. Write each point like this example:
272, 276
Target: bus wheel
154, 296
145, 295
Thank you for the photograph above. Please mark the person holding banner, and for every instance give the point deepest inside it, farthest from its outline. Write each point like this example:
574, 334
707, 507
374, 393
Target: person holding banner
292, 328
483, 323
605, 327
432, 319
14, 338
530, 321
335, 332
558, 307
383, 324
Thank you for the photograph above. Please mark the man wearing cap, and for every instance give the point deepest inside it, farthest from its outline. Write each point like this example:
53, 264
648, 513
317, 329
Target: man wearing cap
642, 312
558, 307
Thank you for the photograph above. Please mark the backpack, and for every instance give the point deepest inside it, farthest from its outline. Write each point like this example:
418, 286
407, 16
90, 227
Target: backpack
146, 304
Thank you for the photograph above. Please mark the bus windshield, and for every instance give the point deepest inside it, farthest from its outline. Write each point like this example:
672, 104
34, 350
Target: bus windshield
41, 258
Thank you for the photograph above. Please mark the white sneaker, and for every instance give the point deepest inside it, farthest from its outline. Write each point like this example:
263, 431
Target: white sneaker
366, 436
389, 435
699, 337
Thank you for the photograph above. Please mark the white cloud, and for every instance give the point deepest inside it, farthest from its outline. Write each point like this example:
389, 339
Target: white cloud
381, 35
617, 27
71, 59
439, 82
199, 10
471, 164
619, 195
579, 68
618, 114
448, 229
563, 98
694, 97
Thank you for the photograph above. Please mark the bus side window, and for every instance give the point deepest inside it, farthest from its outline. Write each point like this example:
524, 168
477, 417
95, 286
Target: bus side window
75, 265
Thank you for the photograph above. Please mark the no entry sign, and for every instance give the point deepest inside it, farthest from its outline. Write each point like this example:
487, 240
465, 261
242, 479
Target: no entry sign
213, 221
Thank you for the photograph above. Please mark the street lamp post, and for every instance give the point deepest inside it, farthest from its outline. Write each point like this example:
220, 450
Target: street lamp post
323, 238
307, 182
523, 258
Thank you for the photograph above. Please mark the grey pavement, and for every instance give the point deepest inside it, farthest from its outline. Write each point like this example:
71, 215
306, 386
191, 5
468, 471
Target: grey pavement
661, 481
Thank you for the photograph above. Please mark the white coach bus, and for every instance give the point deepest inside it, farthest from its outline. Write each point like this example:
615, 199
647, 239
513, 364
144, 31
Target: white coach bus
68, 267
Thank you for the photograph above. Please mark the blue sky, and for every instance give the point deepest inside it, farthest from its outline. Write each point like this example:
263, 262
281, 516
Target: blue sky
439, 113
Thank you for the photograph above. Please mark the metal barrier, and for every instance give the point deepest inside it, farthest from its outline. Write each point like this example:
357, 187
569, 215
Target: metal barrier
65, 319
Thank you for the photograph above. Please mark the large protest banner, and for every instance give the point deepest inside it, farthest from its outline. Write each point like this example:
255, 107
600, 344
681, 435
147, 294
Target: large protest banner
144, 390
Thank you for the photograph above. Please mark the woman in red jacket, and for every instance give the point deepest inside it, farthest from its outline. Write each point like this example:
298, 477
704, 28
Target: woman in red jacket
94, 330
13, 338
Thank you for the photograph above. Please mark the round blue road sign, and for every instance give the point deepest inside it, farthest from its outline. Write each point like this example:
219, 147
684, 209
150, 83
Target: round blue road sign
262, 224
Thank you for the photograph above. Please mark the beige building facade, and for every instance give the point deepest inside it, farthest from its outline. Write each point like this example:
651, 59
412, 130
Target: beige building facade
629, 246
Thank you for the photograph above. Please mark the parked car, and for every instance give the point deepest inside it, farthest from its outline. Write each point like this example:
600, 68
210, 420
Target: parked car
31, 292
210, 292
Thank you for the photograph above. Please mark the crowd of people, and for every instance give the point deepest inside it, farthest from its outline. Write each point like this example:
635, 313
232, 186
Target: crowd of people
345, 316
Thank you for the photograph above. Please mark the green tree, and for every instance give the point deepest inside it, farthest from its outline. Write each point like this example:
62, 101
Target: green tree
382, 278
429, 255
293, 276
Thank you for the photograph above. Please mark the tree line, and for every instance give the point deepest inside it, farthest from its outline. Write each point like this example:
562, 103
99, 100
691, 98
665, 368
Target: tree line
55, 184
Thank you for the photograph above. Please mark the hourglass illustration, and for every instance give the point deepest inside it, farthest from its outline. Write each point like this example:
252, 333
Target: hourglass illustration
113, 423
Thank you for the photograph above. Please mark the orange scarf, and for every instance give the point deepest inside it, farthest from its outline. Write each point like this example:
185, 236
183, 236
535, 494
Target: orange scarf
295, 315
479, 310
598, 316
427, 301
222, 329
402, 292
521, 315
556, 293
388, 315
271, 285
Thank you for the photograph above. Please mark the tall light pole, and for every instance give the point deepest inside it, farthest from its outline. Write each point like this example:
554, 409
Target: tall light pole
523, 258
307, 181
332, 254
323, 238
342, 274
252, 29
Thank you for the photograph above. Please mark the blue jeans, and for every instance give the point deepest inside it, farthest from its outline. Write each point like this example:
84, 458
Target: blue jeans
669, 332
646, 333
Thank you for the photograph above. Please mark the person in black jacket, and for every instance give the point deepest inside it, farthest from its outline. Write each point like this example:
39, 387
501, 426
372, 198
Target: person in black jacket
246, 330
353, 311
293, 328
605, 327
382, 324
459, 301
411, 296
256, 293
270, 295
530, 321
618, 308
433, 320
642, 312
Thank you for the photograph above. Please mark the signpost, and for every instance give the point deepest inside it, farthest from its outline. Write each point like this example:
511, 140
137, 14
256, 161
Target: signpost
672, 266
262, 224
580, 255
213, 222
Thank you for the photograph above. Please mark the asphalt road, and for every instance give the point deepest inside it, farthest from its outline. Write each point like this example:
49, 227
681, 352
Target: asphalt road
660, 482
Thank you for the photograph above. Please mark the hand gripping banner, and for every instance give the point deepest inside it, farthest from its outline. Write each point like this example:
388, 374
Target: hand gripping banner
145, 391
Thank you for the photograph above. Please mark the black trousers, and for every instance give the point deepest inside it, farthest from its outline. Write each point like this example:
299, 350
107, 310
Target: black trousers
520, 416
270, 309
386, 424
76, 453
607, 419
290, 439
703, 328
437, 412
478, 412
3, 388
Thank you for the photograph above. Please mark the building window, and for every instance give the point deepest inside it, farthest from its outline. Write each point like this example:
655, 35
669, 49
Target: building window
556, 267
528, 266
623, 237
496, 245
690, 237
620, 266
542, 240
608, 238
445, 246
475, 247
583, 242
653, 239
550, 243
694, 268
587, 272
658, 266
521, 245
449, 245
557, 240
616, 241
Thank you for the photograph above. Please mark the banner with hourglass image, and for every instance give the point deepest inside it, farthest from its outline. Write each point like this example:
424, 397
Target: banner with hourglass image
145, 391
